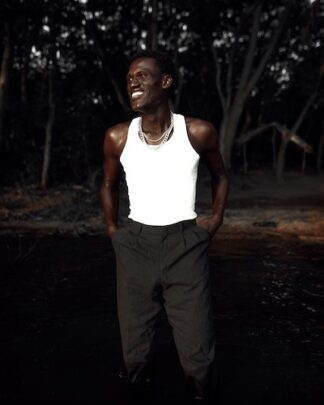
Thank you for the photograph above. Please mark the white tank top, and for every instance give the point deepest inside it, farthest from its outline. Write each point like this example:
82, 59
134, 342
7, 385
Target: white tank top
161, 182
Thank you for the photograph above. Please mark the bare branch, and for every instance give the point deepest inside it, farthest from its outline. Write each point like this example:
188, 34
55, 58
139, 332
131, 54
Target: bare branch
251, 48
310, 101
255, 77
247, 136
287, 134
231, 56
218, 79
304, 111
300, 142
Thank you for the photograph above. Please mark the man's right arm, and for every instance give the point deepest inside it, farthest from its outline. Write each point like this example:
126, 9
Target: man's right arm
114, 143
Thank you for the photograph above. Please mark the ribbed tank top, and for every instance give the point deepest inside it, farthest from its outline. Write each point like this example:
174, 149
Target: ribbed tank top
161, 182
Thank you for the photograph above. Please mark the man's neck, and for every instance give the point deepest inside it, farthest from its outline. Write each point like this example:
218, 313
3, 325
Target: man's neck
155, 123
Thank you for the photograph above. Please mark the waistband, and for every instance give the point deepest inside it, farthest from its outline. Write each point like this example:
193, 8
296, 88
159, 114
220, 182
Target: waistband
137, 227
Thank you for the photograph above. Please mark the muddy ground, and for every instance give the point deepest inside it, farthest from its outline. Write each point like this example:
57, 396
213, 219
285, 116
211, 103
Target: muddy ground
59, 330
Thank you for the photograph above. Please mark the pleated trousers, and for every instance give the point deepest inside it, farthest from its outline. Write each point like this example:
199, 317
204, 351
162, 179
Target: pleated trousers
165, 266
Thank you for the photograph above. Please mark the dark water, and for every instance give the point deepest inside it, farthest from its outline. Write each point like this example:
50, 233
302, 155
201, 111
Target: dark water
60, 338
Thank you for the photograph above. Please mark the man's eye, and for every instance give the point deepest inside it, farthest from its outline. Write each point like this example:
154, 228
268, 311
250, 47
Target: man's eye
142, 75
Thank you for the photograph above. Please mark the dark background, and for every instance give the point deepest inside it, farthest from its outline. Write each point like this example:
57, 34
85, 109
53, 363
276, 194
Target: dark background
242, 65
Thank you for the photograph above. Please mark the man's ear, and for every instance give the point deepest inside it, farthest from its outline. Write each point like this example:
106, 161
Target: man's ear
167, 81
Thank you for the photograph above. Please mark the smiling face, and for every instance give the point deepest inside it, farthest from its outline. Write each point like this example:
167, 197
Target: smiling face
147, 87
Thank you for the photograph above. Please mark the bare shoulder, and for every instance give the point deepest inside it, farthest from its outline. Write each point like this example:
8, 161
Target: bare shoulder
202, 134
115, 138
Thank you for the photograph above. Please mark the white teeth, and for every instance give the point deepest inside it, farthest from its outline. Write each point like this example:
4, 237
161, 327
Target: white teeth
136, 94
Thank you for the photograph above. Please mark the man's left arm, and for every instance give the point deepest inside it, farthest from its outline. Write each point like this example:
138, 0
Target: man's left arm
206, 142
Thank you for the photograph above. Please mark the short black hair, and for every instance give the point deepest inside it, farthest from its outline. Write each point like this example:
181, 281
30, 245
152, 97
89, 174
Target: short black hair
163, 60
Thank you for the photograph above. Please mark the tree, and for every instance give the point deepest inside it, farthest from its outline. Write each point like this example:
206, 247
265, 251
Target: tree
4, 74
233, 96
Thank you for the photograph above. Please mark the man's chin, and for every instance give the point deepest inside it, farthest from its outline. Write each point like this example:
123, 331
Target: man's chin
137, 107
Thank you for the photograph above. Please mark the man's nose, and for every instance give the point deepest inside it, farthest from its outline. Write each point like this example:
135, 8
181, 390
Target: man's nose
133, 82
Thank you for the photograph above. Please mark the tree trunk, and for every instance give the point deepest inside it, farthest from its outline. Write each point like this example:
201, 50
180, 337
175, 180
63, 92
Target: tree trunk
24, 73
304, 162
48, 130
281, 157
235, 110
152, 39
222, 130
247, 82
274, 152
246, 124
230, 129
85, 146
178, 90
4, 75
245, 162
320, 151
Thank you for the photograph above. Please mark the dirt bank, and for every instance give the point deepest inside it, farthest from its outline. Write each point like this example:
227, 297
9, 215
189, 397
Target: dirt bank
257, 206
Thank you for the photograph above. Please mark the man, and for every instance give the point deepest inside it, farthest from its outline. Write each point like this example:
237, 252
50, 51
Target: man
161, 252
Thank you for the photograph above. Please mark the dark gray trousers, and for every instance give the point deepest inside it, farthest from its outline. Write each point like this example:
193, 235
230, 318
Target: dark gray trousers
165, 266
